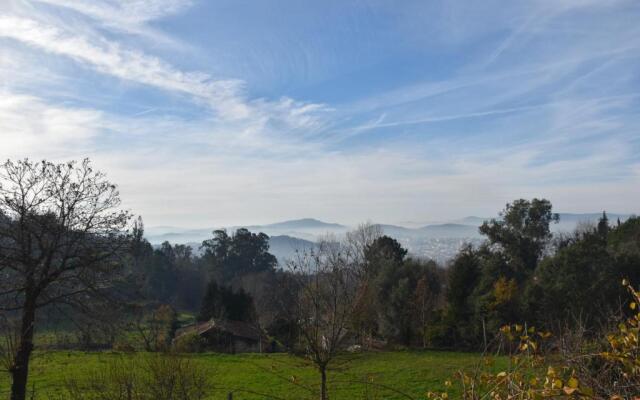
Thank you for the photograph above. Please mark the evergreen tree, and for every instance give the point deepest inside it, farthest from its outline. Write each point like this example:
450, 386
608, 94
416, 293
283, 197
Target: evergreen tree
522, 233
242, 253
603, 225
222, 302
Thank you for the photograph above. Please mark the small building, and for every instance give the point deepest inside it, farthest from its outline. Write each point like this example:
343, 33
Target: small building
225, 336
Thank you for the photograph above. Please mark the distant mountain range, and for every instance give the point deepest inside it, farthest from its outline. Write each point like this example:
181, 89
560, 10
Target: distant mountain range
438, 241
432, 231
284, 247
305, 223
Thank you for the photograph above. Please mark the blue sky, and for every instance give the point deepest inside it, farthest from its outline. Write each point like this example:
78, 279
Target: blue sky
210, 112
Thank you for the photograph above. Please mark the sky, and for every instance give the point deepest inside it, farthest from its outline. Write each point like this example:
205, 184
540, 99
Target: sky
222, 112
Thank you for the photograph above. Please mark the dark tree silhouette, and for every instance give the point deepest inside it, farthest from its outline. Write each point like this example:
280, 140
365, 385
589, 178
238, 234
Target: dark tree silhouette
522, 232
60, 232
603, 225
384, 250
239, 254
222, 302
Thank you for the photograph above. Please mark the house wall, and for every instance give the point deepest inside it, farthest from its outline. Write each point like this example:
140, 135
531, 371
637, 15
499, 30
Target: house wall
226, 343
245, 346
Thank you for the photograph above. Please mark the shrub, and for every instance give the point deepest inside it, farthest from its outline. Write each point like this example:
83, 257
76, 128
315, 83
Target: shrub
160, 377
189, 343
123, 347
588, 373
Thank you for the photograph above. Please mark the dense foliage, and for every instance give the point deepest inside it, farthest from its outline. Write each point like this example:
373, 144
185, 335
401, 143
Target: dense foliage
523, 274
222, 302
607, 368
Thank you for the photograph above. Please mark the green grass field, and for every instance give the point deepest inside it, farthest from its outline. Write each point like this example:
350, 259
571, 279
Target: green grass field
391, 375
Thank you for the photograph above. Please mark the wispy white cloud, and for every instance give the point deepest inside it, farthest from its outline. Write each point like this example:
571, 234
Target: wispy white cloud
523, 116
226, 97
128, 16
110, 58
393, 184
32, 127
118, 12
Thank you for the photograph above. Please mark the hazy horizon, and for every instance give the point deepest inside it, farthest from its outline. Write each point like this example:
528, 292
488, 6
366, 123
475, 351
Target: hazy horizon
405, 224
217, 113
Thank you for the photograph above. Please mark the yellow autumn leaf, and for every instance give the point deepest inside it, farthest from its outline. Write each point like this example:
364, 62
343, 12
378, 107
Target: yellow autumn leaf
568, 390
573, 383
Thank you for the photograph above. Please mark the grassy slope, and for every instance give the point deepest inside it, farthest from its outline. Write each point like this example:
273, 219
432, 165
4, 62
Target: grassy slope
413, 373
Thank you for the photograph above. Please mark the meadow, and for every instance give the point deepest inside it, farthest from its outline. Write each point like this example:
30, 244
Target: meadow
375, 375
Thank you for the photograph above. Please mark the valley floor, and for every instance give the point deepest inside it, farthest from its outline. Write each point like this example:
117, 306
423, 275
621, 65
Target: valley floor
380, 375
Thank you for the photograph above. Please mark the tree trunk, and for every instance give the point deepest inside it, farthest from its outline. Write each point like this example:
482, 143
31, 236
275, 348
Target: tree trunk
20, 369
323, 383
424, 337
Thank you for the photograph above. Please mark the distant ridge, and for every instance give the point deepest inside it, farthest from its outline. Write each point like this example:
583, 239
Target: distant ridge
437, 240
451, 230
434, 231
282, 246
306, 227
570, 217
444, 226
564, 217
395, 229
304, 223
285, 247
471, 220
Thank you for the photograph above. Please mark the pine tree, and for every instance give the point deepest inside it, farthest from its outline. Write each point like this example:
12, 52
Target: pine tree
603, 225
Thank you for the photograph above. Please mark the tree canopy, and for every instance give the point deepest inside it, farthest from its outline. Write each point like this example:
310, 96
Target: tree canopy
241, 253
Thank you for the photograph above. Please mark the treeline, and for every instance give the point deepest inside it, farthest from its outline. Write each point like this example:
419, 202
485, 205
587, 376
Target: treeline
522, 273
236, 278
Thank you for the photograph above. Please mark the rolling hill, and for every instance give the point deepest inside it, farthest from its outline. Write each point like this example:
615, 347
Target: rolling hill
439, 241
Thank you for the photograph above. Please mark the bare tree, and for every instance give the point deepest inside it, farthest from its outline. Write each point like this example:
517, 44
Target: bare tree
61, 228
326, 286
359, 240
425, 298
155, 328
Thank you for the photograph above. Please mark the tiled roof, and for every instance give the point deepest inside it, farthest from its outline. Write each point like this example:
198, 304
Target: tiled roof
236, 328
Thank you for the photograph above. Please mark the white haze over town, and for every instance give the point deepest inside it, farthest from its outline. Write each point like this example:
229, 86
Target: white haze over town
438, 241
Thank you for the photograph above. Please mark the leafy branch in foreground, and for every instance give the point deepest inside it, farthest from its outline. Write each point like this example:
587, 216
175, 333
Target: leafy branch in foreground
524, 379
625, 348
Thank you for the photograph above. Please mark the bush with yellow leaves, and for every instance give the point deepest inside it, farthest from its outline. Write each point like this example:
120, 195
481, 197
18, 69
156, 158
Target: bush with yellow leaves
524, 379
520, 380
624, 351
